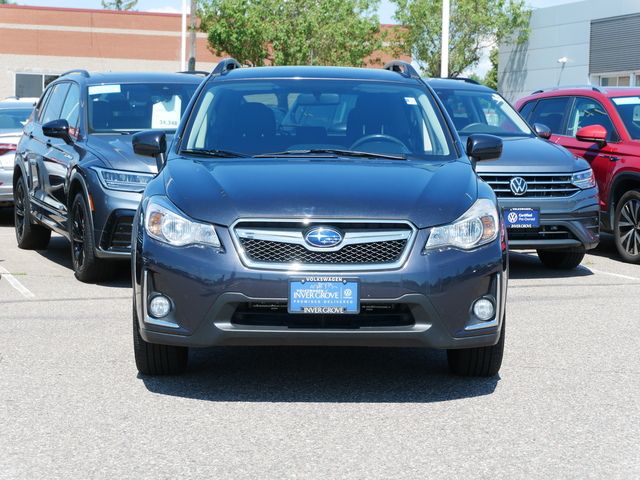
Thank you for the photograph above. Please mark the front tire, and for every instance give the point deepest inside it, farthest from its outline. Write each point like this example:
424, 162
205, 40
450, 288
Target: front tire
86, 266
28, 235
565, 259
626, 226
478, 361
155, 359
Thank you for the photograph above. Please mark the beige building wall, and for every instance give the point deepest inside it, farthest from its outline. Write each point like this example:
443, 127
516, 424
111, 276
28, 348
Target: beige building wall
49, 65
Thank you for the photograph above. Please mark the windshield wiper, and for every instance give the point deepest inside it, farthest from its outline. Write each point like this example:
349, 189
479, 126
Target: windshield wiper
333, 151
214, 153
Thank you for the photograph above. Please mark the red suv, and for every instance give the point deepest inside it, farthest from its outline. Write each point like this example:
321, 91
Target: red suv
601, 125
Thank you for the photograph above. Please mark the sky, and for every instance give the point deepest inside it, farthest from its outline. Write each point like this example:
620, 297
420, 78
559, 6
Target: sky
386, 7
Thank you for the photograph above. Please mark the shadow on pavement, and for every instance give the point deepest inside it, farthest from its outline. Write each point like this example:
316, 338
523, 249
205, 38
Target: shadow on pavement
319, 374
59, 252
523, 265
606, 248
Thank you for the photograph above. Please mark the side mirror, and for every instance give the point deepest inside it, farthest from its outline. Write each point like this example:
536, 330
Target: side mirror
482, 147
592, 133
542, 130
151, 143
57, 129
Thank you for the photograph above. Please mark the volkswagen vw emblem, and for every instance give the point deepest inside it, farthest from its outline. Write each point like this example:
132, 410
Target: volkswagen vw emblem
323, 237
518, 186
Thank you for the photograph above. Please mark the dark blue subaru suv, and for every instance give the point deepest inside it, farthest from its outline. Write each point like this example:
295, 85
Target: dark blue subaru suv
318, 206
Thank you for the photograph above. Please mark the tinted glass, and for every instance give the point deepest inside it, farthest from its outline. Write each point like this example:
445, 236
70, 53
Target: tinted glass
54, 104
526, 110
130, 107
586, 112
266, 116
41, 103
482, 112
14, 118
551, 112
629, 110
71, 108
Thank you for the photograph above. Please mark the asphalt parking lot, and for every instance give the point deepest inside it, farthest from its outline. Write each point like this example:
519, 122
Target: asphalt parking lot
566, 403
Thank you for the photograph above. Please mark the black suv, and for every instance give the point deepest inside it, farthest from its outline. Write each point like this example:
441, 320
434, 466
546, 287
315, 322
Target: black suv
75, 171
548, 196
318, 206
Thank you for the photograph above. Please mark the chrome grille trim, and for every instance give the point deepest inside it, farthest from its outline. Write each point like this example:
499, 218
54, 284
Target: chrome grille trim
541, 185
295, 236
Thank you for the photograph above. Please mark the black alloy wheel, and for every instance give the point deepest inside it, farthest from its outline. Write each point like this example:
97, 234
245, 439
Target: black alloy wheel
28, 235
86, 266
627, 226
77, 233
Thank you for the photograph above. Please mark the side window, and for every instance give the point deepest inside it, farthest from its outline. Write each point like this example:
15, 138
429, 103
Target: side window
551, 112
586, 112
54, 105
71, 109
41, 104
527, 109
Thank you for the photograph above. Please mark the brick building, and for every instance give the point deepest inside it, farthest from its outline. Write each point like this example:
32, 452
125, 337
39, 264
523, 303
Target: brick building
39, 43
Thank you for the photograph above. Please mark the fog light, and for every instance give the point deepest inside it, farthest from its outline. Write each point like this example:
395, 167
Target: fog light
483, 309
159, 306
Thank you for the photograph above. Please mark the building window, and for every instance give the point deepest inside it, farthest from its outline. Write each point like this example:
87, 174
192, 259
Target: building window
32, 84
615, 81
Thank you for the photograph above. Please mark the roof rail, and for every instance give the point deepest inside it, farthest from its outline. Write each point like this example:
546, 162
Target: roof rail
463, 79
82, 72
595, 88
226, 65
403, 68
195, 72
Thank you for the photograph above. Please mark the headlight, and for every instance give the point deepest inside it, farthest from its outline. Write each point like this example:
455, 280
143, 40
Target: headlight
583, 179
477, 226
123, 180
172, 228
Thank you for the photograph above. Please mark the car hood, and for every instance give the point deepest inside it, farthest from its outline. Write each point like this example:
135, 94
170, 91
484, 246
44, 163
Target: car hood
117, 153
532, 155
223, 191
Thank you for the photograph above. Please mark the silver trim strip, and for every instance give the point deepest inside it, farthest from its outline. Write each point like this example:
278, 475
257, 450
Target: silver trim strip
296, 237
496, 319
148, 319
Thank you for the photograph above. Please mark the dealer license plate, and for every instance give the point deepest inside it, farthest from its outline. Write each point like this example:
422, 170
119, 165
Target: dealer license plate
521, 217
324, 295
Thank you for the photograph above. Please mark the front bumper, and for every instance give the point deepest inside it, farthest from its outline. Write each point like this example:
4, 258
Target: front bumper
113, 216
208, 289
564, 222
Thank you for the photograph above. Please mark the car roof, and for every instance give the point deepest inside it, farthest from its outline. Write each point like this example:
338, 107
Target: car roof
6, 104
133, 77
588, 90
458, 84
351, 73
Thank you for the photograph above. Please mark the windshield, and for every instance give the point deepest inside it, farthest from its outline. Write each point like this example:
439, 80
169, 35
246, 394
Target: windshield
14, 118
131, 107
258, 117
482, 112
629, 111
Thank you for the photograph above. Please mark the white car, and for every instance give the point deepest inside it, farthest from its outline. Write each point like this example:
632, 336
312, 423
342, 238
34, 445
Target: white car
14, 114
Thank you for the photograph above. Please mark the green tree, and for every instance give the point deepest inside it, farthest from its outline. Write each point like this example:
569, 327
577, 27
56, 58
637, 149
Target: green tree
491, 78
292, 32
119, 4
6, 2
474, 26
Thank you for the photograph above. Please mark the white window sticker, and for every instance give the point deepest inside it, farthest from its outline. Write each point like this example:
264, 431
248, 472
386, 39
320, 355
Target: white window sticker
626, 101
410, 101
99, 89
166, 114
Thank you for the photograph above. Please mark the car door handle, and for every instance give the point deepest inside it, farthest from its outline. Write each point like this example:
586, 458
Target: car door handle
612, 158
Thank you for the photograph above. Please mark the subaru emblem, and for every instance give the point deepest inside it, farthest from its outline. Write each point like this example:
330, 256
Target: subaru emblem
323, 237
518, 186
